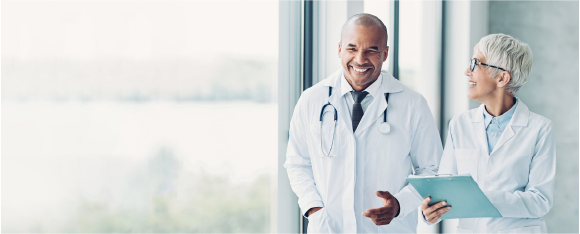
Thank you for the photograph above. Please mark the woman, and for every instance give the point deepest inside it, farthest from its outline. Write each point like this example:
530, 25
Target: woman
508, 150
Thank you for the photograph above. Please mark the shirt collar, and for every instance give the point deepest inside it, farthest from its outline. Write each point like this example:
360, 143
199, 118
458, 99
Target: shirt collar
502, 120
373, 89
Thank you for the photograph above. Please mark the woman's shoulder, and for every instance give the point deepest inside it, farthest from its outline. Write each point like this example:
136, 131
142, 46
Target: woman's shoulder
533, 119
540, 121
467, 116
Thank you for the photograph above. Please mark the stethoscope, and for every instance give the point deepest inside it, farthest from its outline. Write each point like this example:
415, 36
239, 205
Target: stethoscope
384, 127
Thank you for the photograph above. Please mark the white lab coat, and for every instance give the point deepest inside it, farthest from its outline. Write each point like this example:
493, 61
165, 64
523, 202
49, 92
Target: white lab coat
517, 177
363, 162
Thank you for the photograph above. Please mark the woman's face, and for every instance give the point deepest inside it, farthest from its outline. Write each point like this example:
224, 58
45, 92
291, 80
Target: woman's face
481, 84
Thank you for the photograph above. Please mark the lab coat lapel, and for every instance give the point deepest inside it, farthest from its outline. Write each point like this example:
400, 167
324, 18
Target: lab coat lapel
379, 103
520, 118
338, 103
477, 119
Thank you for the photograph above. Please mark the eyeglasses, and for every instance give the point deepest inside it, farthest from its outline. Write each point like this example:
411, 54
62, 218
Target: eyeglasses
473, 62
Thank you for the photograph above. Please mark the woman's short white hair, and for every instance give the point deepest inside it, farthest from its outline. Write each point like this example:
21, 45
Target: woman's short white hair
508, 53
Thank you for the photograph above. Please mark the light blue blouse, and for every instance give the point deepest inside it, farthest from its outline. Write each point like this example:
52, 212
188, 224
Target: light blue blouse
494, 126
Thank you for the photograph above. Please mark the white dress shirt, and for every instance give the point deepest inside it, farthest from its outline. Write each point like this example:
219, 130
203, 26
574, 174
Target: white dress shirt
346, 91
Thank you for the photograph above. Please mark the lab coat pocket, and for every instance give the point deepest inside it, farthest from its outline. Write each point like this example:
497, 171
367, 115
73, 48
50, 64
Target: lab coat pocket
530, 229
317, 222
467, 162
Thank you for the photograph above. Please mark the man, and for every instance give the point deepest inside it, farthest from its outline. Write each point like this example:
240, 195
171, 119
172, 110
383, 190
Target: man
346, 165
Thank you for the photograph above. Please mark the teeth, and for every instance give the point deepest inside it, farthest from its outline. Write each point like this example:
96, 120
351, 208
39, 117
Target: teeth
472, 83
361, 70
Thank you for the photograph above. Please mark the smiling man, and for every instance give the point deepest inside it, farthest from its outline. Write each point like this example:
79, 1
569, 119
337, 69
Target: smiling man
354, 138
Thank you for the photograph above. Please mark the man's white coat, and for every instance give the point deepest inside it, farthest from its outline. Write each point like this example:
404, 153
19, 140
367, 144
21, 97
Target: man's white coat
362, 162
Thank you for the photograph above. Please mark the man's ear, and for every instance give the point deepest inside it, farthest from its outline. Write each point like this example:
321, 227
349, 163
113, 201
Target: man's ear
385, 54
339, 50
503, 79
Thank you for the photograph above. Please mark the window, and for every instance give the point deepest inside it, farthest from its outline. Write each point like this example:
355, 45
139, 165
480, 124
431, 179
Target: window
156, 116
420, 50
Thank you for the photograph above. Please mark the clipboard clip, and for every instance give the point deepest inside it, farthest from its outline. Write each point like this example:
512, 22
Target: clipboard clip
441, 175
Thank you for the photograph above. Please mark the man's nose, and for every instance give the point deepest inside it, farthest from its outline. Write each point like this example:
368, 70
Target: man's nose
360, 58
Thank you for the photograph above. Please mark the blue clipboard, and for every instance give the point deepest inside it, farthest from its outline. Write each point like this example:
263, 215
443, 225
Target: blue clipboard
461, 193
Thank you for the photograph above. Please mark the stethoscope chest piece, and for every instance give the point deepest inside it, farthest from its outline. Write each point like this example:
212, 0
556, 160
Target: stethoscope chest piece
384, 128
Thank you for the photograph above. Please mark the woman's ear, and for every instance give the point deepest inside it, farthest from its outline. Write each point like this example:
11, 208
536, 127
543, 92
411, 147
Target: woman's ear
503, 79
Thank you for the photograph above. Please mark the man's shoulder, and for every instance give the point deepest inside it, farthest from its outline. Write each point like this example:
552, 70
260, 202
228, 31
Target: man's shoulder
321, 88
407, 94
410, 93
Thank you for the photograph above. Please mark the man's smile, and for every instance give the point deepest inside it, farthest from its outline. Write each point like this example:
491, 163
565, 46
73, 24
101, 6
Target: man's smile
361, 71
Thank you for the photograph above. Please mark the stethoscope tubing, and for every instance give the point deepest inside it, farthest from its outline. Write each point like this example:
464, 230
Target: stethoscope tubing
384, 127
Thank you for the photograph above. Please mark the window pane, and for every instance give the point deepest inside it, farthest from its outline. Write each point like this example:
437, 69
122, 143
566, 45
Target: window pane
420, 49
382, 9
138, 116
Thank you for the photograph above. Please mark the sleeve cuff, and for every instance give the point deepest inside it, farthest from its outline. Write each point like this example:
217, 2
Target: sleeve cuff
425, 220
408, 201
310, 205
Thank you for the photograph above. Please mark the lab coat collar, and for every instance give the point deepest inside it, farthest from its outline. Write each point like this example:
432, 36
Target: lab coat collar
521, 114
373, 89
336, 99
520, 118
388, 85
375, 109
502, 120
379, 103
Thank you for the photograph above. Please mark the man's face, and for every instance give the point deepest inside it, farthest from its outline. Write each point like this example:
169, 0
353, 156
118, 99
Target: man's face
362, 52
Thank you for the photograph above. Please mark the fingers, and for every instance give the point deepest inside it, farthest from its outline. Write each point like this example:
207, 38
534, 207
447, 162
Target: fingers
370, 212
384, 194
434, 216
383, 221
380, 210
425, 203
434, 207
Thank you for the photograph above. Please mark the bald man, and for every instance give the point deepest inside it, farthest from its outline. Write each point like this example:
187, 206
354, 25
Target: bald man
354, 138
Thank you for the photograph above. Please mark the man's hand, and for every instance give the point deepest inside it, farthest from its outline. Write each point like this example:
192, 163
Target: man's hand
434, 212
384, 215
312, 211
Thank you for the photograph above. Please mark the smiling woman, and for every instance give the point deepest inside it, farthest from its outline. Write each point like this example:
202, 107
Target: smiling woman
115, 116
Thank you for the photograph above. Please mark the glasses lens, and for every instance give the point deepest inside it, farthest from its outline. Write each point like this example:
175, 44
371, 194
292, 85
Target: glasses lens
472, 64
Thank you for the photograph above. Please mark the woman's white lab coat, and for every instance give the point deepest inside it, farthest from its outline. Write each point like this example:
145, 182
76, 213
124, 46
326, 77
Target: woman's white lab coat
363, 162
517, 177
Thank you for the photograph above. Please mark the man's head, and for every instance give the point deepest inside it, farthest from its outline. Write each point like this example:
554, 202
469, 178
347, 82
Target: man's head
363, 49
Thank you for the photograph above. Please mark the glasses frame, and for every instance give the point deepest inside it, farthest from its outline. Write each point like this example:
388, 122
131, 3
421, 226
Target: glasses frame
473, 62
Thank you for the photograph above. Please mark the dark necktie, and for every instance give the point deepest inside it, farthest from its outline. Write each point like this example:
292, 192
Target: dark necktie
357, 111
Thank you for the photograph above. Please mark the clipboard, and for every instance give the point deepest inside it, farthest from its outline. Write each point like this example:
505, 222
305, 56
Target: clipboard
461, 193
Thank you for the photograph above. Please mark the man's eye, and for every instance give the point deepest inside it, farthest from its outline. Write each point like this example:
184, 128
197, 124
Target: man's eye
351, 49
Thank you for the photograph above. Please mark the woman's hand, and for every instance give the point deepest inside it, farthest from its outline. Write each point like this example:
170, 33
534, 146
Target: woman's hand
434, 212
